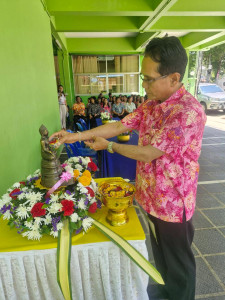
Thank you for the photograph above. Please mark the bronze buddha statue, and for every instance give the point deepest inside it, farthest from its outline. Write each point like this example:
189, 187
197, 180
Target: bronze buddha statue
50, 165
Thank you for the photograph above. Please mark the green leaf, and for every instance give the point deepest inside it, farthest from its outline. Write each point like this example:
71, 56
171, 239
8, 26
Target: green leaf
45, 206
136, 256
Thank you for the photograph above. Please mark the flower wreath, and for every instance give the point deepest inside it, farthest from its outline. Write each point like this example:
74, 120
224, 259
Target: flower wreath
27, 207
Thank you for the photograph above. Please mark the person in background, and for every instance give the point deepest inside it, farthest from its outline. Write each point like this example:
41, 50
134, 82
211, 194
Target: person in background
125, 99
142, 100
129, 106
94, 112
171, 125
118, 109
62, 106
113, 100
106, 107
78, 111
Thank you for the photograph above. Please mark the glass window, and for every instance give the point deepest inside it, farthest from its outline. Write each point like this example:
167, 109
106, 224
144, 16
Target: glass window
115, 83
98, 84
101, 61
131, 83
210, 89
111, 64
82, 84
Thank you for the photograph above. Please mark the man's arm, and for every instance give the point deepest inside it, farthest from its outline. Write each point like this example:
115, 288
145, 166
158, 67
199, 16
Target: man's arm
140, 153
105, 131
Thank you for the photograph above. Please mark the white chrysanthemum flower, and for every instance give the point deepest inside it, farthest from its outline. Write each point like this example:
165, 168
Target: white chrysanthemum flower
32, 235
28, 224
24, 189
59, 226
93, 200
93, 185
69, 170
54, 198
54, 233
74, 217
5, 200
78, 167
9, 190
38, 220
16, 185
29, 177
81, 188
81, 204
48, 219
34, 197
67, 197
54, 208
21, 196
87, 223
7, 215
37, 172
22, 212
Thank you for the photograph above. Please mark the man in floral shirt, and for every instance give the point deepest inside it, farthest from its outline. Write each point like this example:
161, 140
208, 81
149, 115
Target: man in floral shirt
170, 125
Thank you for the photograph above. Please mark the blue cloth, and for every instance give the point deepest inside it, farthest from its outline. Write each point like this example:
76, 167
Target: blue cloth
116, 165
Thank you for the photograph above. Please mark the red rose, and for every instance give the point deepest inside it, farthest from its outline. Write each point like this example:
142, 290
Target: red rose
37, 210
13, 193
90, 191
22, 182
92, 166
68, 207
92, 208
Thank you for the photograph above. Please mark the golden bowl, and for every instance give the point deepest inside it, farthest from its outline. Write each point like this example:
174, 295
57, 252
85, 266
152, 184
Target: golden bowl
123, 138
105, 121
117, 195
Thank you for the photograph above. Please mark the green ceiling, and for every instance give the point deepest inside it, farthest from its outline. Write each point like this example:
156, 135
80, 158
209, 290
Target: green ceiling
125, 26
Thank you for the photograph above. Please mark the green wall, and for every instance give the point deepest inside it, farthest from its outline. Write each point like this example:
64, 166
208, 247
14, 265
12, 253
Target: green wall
28, 87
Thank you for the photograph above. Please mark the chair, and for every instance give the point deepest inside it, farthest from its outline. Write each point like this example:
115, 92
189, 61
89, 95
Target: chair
74, 150
83, 123
80, 128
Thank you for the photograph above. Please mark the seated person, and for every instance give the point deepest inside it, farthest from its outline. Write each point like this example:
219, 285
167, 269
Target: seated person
106, 106
94, 111
118, 109
129, 106
78, 111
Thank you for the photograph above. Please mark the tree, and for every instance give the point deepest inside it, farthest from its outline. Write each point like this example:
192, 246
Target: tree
214, 61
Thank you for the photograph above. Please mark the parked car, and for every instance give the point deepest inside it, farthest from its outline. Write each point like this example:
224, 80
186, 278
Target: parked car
211, 96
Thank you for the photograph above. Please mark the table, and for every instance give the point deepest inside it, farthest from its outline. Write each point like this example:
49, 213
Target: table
99, 269
113, 165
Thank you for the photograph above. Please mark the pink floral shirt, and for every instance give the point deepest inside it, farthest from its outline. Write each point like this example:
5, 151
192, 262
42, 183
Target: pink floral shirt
167, 185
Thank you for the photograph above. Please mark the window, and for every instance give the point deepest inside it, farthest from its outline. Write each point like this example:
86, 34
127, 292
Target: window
106, 73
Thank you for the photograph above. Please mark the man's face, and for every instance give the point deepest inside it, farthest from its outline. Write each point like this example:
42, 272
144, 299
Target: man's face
159, 89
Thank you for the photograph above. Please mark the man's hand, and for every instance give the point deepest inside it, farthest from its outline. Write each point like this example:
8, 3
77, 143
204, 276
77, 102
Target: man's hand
97, 143
64, 137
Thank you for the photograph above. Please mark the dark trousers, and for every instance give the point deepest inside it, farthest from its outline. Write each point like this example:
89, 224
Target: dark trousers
93, 122
174, 258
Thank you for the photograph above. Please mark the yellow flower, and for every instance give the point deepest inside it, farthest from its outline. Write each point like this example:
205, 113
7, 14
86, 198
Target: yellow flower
87, 173
85, 180
76, 173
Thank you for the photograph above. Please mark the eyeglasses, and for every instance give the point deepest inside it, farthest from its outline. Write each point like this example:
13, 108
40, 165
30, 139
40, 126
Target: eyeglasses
151, 80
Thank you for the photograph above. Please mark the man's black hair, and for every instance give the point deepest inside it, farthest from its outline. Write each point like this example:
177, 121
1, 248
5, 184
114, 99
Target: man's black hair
169, 53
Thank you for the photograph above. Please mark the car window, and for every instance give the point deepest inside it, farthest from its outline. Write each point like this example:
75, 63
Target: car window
210, 89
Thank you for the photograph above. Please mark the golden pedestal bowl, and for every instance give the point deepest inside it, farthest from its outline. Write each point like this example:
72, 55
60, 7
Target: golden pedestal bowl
117, 195
105, 121
123, 138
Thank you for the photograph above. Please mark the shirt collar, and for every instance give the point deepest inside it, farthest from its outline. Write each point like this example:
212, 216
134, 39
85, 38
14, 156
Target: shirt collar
173, 98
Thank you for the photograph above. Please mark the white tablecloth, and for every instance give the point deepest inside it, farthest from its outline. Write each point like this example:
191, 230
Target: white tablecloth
99, 271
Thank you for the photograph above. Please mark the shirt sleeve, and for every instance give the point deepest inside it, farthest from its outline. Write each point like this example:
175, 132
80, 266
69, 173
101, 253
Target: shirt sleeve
133, 120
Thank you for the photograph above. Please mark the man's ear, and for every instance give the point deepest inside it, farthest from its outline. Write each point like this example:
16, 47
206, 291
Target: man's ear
174, 78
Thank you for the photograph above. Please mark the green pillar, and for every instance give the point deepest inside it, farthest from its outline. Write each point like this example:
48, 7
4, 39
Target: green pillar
185, 79
141, 89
